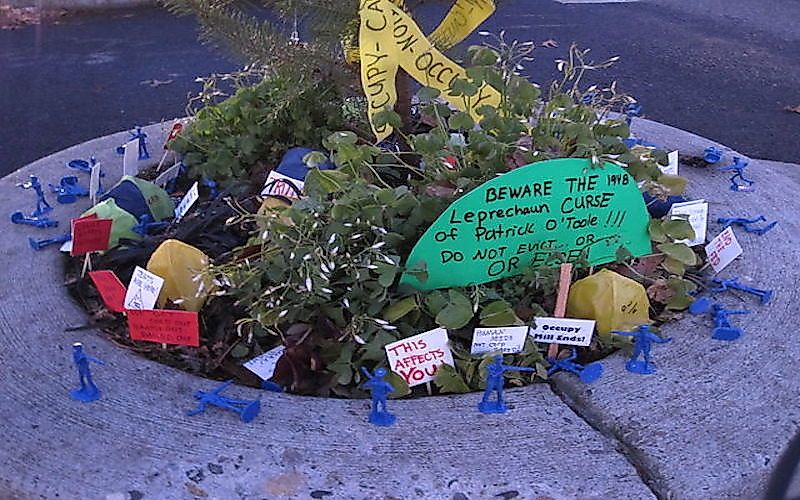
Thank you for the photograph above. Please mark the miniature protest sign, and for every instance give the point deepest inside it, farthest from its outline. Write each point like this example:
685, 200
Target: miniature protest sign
723, 249
417, 358
186, 203
94, 183
672, 167
130, 158
143, 289
264, 365
697, 213
507, 339
278, 184
164, 326
111, 289
519, 219
168, 174
90, 234
568, 331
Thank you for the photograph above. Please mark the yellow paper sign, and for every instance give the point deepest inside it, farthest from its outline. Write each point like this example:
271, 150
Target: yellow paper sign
389, 39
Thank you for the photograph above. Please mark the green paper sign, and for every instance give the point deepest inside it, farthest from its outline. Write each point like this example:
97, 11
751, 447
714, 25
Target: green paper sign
521, 218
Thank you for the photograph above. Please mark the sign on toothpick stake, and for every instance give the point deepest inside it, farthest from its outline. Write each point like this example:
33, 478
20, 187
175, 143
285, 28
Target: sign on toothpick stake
672, 167
111, 289
164, 326
90, 234
697, 213
723, 249
143, 290
94, 183
168, 174
506, 339
569, 331
187, 202
264, 365
417, 358
130, 159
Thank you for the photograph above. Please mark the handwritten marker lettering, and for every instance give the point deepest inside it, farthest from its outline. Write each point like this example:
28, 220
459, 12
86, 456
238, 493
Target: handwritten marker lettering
417, 358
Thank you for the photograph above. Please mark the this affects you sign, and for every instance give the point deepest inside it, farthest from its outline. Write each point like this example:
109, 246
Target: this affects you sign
417, 358
567, 331
521, 218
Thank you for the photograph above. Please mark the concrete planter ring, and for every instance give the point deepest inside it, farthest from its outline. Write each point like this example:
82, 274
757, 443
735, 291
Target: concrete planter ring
710, 424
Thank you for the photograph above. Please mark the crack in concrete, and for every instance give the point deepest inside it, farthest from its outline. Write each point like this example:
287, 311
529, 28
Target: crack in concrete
644, 467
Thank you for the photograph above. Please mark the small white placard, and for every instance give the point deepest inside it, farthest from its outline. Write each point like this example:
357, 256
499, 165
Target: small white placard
186, 203
417, 358
697, 211
167, 175
505, 339
672, 166
281, 185
264, 365
130, 160
143, 289
94, 183
66, 247
723, 249
567, 331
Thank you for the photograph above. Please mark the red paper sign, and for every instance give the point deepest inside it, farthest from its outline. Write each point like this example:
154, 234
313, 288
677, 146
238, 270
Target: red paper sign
164, 326
90, 234
111, 289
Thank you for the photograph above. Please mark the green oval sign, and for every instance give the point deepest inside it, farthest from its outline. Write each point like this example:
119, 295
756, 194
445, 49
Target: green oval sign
521, 218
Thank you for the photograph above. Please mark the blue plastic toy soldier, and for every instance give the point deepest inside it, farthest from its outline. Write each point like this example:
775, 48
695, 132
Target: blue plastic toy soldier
738, 166
643, 339
87, 391
723, 330
246, 409
379, 390
494, 383
587, 374
42, 207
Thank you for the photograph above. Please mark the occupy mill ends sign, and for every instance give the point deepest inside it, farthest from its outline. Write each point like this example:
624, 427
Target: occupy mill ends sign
521, 218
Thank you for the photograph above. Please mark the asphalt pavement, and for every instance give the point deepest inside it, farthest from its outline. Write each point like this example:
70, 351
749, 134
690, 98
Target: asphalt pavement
723, 69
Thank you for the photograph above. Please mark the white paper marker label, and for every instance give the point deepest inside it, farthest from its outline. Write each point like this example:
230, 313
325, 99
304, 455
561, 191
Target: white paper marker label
723, 249
168, 174
264, 365
697, 211
282, 185
506, 339
417, 358
567, 331
130, 160
94, 183
672, 166
187, 202
143, 290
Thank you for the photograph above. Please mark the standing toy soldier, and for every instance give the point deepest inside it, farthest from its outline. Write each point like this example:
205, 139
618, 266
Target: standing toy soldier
42, 207
379, 390
87, 391
643, 340
494, 383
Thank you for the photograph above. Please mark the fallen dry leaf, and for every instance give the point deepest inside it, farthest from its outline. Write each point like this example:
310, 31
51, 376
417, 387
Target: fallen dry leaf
195, 490
550, 43
795, 109
285, 484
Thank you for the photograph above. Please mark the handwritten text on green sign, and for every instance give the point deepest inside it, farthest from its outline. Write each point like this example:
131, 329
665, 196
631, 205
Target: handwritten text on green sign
521, 218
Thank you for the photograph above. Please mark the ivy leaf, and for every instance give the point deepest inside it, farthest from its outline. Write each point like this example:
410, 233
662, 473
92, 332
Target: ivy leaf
673, 266
449, 380
374, 350
320, 183
338, 139
674, 183
428, 94
387, 117
461, 121
400, 308
435, 302
482, 56
679, 252
462, 87
623, 254
314, 159
678, 229
401, 388
457, 313
419, 271
499, 313
656, 230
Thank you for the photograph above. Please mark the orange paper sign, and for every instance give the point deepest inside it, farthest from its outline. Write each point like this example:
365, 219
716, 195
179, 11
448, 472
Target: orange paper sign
111, 289
164, 326
90, 234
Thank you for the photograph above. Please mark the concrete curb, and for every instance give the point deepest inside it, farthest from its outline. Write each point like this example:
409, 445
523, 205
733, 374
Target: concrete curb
82, 5
136, 440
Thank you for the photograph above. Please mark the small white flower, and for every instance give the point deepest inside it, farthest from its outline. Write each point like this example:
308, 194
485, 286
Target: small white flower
326, 290
283, 313
378, 245
332, 239
359, 339
309, 284
346, 302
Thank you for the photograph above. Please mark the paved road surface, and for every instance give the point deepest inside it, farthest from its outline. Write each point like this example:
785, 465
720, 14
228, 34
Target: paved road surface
724, 69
